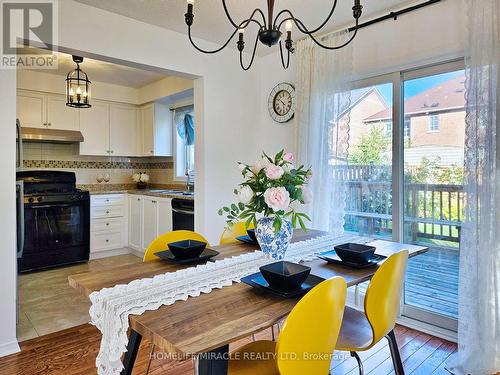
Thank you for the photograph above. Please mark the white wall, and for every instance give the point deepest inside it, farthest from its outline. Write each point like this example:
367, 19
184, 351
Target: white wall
8, 343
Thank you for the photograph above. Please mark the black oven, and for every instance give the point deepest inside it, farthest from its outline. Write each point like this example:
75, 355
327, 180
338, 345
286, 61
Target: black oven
56, 221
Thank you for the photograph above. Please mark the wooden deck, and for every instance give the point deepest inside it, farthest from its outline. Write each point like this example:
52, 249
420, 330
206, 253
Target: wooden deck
432, 281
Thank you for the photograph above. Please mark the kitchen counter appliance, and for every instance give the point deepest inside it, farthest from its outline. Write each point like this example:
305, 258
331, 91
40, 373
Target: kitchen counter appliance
183, 214
56, 219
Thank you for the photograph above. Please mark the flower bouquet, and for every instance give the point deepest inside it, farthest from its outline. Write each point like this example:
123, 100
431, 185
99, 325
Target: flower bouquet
141, 178
269, 198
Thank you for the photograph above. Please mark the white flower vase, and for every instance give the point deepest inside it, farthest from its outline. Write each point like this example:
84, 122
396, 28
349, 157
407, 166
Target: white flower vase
273, 245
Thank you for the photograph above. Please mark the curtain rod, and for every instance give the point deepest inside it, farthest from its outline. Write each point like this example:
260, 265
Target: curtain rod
181, 107
394, 15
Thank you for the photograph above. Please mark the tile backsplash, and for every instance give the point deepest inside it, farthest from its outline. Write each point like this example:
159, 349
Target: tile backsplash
120, 169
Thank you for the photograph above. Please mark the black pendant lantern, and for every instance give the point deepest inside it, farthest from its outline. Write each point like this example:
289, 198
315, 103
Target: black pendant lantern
78, 87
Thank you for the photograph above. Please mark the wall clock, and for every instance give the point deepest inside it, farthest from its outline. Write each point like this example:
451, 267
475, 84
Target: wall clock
282, 102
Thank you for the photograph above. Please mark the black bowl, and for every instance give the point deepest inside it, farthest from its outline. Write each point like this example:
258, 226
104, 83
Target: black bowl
355, 253
285, 275
251, 234
187, 249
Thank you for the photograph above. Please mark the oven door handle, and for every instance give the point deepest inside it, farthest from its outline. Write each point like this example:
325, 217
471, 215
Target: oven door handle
176, 210
20, 219
52, 205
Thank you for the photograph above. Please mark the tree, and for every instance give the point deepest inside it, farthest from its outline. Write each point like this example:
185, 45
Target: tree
373, 148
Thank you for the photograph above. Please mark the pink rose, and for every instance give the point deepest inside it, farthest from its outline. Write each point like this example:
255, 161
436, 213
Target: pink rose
274, 172
288, 157
261, 164
277, 198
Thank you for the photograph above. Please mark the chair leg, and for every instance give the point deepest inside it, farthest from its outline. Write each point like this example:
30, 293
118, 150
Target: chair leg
253, 337
273, 333
360, 364
396, 357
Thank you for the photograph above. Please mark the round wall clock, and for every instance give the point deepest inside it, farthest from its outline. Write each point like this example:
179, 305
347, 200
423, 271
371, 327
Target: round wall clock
282, 102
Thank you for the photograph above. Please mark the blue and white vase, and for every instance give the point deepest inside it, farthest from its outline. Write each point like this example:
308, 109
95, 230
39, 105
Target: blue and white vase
274, 245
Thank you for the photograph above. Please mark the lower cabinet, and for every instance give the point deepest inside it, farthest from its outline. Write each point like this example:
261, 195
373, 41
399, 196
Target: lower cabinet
148, 218
108, 225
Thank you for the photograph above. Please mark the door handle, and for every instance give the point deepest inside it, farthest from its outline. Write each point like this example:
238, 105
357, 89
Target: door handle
182, 211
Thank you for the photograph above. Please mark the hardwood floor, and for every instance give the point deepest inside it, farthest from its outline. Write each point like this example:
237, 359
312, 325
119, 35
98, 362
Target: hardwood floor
73, 351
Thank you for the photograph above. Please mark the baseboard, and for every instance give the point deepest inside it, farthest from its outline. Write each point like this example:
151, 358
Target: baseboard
110, 253
428, 328
9, 348
137, 253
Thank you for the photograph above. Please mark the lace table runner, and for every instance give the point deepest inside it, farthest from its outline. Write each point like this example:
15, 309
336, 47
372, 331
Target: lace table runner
111, 307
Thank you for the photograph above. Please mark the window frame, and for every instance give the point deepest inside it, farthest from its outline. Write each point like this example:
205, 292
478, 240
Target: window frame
432, 124
177, 143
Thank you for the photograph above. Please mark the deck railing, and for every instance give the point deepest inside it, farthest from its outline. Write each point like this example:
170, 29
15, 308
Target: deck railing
432, 211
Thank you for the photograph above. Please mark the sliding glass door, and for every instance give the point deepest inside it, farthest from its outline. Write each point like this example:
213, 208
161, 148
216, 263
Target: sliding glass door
404, 181
433, 142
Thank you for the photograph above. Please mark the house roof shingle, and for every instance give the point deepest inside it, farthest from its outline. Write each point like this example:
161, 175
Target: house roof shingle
445, 96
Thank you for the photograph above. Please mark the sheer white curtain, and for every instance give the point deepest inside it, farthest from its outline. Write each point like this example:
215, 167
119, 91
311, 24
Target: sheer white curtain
323, 100
479, 283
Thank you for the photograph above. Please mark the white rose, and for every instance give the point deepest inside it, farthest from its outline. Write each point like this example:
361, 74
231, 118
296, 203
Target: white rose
288, 167
260, 165
144, 177
245, 194
136, 177
307, 195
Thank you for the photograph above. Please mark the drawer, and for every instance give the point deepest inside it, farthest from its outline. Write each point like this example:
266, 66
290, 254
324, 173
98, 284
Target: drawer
111, 225
100, 241
108, 200
102, 212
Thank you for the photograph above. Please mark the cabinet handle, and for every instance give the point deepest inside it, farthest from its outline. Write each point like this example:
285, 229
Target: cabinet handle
107, 212
50, 124
107, 240
112, 151
107, 224
107, 200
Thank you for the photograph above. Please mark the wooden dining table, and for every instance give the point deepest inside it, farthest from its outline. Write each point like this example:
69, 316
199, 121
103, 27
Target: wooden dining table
204, 326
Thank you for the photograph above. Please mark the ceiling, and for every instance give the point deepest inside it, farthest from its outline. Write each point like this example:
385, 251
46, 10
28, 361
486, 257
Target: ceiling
210, 22
100, 71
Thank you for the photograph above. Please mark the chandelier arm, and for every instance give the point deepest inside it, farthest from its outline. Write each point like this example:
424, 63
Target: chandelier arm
285, 66
257, 10
243, 24
311, 31
253, 55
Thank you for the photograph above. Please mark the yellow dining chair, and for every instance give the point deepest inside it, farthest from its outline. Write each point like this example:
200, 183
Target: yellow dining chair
360, 331
229, 234
160, 242
307, 340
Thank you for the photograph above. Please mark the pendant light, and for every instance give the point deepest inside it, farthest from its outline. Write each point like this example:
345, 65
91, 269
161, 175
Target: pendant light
78, 86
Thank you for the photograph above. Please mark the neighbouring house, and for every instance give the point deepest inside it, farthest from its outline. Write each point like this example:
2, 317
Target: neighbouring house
434, 124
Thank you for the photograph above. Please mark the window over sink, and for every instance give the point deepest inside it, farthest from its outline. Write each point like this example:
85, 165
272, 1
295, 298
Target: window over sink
184, 151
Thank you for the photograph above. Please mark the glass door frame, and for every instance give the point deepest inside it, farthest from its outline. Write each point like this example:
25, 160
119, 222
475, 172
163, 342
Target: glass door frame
428, 317
397, 79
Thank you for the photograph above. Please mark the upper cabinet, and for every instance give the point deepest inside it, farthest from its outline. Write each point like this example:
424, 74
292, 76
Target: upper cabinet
30, 109
39, 110
123, 130
60, 116
109, 129
156, 128
94, 125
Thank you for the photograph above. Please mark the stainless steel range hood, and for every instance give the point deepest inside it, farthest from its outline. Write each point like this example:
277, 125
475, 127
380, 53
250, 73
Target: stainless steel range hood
51, 135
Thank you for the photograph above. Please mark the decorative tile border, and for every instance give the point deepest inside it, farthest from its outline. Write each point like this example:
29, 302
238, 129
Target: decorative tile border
80, 164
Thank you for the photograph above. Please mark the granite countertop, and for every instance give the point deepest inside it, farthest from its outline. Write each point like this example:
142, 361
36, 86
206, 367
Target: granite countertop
153, 191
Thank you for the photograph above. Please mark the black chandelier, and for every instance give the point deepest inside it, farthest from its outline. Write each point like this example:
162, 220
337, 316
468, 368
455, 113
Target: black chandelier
78, 87
270, 30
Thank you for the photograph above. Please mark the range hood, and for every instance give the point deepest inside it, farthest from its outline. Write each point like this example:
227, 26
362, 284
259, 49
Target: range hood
51, 135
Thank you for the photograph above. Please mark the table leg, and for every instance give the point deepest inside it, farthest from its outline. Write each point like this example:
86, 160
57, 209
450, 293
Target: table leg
214, 362
134, 342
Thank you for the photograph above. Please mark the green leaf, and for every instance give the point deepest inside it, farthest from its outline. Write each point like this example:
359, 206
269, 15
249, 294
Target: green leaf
226, 209
234, 207
221, 212
241, 206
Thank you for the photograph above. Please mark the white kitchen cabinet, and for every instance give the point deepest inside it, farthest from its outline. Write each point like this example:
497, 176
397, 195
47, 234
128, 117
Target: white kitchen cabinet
149, 220
30, 109
164, 206
149, 217
108, 224
94, 125
123, 130
41, 110
135, 221
156, 128
59, 115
